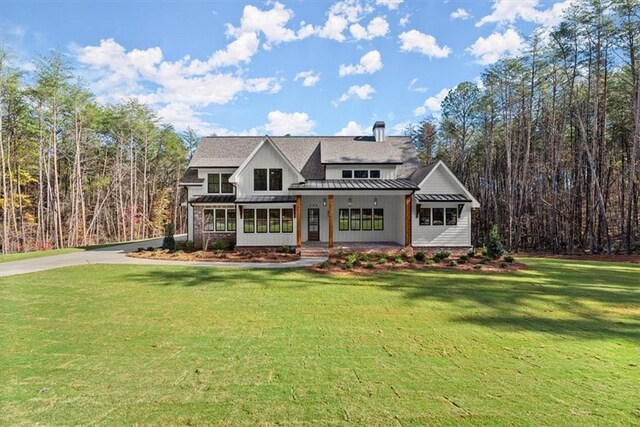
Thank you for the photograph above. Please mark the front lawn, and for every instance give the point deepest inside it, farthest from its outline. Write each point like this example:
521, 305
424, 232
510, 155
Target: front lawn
556, 344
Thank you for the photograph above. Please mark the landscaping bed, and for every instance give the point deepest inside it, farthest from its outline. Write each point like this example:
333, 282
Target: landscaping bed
363, 263
219, 255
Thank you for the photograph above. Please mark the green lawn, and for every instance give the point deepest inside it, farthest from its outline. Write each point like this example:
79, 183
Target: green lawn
557, 344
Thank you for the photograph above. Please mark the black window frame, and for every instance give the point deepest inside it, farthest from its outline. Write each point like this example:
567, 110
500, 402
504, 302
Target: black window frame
357, 172
262, 180
374, 172
347, 174
422, 217
355, 219
213, 179
225, 186
343, 215
249, 221
369, 213
433, 216
223, 224
378, 219
275, 177
274, 220
208, 226
232, 223
262, 221
446, 216
287, 222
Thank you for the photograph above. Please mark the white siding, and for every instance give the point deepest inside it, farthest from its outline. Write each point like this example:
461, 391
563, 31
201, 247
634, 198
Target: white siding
335, 171
310, 202
266, 158
202, 174
393, 219
442, 235
440, 182
264, 239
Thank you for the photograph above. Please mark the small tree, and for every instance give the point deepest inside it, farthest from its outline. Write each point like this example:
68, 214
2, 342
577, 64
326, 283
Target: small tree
495, 248
169, 242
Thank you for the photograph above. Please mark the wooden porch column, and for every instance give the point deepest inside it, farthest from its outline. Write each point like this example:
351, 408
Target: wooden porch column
407, 220
330, 212
299, 221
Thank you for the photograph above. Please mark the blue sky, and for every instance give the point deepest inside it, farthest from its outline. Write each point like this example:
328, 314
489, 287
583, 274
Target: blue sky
297, 67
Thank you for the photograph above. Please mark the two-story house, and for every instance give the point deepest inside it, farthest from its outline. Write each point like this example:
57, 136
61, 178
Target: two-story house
290, 190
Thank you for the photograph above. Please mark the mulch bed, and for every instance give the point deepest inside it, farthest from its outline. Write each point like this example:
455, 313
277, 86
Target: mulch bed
338, 265
216, 256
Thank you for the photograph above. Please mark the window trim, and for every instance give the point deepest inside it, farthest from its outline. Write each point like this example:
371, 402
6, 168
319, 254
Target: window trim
358, 219
366, 171
256, 171
455, 214
249, 221
377, 171
266, 220
235, 220
348, 172
420, 217
204, 220
217, 218
381, 212
274, 221
370, 220
270, 179
341, 218
433, 214
211, 181
288, 221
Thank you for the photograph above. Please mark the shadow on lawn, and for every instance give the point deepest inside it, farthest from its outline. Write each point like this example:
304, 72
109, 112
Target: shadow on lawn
569, 298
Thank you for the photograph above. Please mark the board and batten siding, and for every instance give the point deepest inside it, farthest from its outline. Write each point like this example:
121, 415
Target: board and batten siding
335, 171
266, 158
393, 206
264, 239
439, 182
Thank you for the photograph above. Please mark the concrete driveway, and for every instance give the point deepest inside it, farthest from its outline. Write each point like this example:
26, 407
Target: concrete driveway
118, 255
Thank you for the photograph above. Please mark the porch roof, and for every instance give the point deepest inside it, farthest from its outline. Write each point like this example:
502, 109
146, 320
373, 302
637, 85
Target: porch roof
266, 199
441, 198
355, 184
217, 198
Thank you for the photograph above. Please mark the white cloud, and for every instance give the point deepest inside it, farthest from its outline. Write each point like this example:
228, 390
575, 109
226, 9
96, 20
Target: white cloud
181, 116
362, 92
460, 13
432, 104
353, 129
377, 27
308, 78
369, 64
391, 4
508, 11
404, 20
281, 123
400, 128
478, 81
426, 44
497, 46
413, 86
340, 16
115, 73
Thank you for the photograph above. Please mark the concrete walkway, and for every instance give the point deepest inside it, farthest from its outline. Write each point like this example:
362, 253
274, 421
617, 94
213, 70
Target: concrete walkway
118, 255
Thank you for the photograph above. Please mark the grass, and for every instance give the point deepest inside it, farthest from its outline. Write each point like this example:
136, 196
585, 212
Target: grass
19, 256
557, 344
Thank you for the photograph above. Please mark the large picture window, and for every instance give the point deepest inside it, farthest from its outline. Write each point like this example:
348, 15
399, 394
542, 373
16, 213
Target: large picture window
260, 180
231, 220
355, 219
249, 220
261, 220
213, 183
378, 219
274, 220
275, 179
451, 216
437, 216
287, 220
343, 219
425, 216
367, 219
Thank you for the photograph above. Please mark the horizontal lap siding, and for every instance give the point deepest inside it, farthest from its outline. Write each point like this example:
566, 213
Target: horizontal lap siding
441, 235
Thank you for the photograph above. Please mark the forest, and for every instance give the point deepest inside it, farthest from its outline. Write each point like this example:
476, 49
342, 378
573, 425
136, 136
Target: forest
548, 142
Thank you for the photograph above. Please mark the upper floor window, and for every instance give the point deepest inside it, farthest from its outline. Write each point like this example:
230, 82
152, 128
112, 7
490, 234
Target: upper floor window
267, 179
347, 174
260, 180
219, 183
374, 173
361, 174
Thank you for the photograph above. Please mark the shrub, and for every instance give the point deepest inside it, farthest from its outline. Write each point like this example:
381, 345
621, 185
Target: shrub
324, 264
504, 264
477, 266
348, 265
398, 260
179, 245
352, 258
411, 259
471, 253
366, 257
420, 256
482, 250
442, 255
464, 257
218, 245
453, 264
286, 249
190, 246
231, 244
150, 248
509, 258
140, 250
369, 265
383, 255
340, 252
403, 253
429, 262
178, 252
495, 248
382, 260
169, 242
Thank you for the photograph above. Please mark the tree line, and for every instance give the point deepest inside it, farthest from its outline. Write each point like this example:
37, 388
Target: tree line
549, 141
76, 172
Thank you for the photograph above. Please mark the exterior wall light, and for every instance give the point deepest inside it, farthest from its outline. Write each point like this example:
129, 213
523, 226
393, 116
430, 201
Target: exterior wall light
375, 201
349, 201
324, 202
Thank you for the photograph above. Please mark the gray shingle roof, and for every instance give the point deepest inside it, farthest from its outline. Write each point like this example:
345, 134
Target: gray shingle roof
442, 198
308, 153
266, 199
355, 184
421, 173
190, 177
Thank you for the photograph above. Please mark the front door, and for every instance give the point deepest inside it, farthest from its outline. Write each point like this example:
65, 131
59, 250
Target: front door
313, 225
